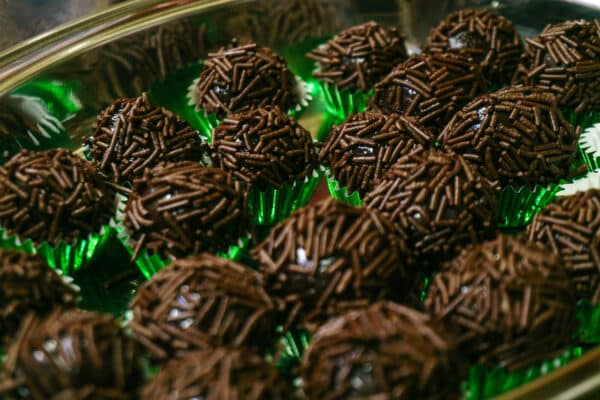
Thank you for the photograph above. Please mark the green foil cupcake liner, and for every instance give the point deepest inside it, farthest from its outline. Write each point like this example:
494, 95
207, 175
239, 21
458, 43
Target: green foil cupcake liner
289, 351
588, 316
517, 206
584, 120
339, 192
341, 103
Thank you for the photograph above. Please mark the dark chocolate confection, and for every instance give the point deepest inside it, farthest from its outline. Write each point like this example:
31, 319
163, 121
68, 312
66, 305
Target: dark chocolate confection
200, 303
386, 351
178, 209
569, 226
516, 136
330, 257
27, 284
218, 374
133, 134
437, 202
565, 60
489, 39
512, 302
264, 148
358, 57
431, 88
51, 196
364, 147
72, 355
243, 78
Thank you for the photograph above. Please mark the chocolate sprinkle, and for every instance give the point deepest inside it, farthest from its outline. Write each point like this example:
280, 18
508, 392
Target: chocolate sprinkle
516, 136
565, 60
178, 209
27, 284
71, 355
264, 148
200, 303
386, 351
133, 134
569, 227
431, 88
243, 78
52, 196
218, 374
511, 302
489, 39
358, 57
330, 257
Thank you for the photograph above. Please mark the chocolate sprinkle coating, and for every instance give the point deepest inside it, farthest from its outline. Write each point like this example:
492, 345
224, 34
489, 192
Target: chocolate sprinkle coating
243, 78
489, 39
264, 148
200, 303
358, 57
133, 134
511, 302
218, 374
27, 284
72, 355
386, 351
565, 60
438, 203
361, 150
430, 87
516, 136
330, 257
52, 196
569, 227
178, 209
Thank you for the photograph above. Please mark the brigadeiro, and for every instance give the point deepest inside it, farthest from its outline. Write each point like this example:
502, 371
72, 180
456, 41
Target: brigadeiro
133, 134
569, 228
200, 303
386, 351
430, 88
565, 60
511, 302
491, 40
516, 136
72, 355
359, 151
438, 203
28, 285
330, 257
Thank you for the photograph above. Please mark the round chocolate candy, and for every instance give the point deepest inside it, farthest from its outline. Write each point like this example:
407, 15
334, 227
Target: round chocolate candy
52, 196
358, 57
183, 208
200, 303
511, 303
491, 40
386, 351
131, 135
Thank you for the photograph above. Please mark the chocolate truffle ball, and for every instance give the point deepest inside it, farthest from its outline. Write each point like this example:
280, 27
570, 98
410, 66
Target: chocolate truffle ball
569, 227
386, 351
438, 203
72, 355
516, 136
243, 78
218, 374
27, 285
177, 209
330, 257
264, 148
489, 39
565, 59
364, 147
430, 88
358, 57
511, 302
133, 134
52, 196
200, 303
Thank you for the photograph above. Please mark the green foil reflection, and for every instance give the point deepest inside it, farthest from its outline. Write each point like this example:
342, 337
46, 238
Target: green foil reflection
516, 207
341, 103
341, 193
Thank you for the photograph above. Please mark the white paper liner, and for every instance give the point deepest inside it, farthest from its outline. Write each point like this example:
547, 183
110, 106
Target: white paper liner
590, 181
